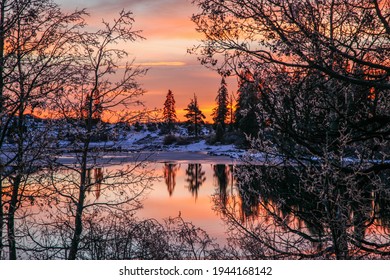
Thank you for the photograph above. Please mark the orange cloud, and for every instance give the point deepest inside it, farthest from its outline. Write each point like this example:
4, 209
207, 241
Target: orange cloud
162, 63
169, 33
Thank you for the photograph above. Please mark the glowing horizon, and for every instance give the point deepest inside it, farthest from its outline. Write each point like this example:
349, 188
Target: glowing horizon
169, 33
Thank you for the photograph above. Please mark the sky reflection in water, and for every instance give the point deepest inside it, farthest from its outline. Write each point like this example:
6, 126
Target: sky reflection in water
187, 189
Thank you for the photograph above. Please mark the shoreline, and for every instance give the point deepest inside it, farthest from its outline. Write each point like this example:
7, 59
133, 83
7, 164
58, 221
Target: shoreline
156, 157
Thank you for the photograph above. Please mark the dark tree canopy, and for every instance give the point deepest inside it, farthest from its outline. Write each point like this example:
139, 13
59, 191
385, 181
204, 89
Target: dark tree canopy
36, 43
321, 82
248, 98
50, 63
327, 35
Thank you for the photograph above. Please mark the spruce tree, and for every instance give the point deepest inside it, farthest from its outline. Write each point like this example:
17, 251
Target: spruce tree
231, 111
220, 113
195, 117
169, 112
246, 108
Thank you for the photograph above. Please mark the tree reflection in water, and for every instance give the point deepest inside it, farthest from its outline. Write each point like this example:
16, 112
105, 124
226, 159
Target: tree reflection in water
170, 170
223, 175
269, 213
276, 214
47, 227
195, 178
95, 181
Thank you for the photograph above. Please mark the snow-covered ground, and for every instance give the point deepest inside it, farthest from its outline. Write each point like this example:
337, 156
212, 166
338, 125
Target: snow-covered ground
145, 141
131, 145
149, 146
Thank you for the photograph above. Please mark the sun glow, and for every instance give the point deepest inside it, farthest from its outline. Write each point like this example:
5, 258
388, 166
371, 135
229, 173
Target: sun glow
162, 63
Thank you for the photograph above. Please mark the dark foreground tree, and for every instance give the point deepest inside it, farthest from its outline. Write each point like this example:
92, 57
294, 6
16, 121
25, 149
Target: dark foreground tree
324, 124
325, 35
92, 97
324, 169
195, 117
36, 43
247, 104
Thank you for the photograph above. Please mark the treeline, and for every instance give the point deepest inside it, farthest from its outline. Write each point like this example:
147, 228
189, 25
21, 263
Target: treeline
234, 116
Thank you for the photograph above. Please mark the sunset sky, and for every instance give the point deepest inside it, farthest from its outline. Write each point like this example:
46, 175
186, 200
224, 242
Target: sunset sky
169, 33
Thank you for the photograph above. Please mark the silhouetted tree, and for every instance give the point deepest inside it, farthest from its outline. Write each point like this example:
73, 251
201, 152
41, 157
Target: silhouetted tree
92, 95
36, 43
299, 34
195, 117
323, 113
169, 112
247, 104
231, 111
220, 113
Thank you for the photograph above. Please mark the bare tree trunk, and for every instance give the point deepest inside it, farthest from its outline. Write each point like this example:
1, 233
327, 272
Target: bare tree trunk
15, 193
2, 11
20, 168
78, 224
15, 187
1, 214
20, 159
339, 236
11, 218
78, 219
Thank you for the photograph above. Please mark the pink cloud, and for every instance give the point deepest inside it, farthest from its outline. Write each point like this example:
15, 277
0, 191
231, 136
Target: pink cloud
169, 32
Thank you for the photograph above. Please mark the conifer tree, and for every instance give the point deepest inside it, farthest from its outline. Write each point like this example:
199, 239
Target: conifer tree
195, 117
246, 108
169, 112
231, 111
220, 113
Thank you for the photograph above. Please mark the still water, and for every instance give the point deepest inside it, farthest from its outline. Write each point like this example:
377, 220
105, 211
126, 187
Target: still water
270, 208
188, 190
258, 212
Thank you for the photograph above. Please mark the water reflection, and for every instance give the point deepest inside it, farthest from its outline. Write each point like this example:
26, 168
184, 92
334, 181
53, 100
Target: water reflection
267, 212
170, 170
270, 208
94, 182
195, 177
284, 215
223, 175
